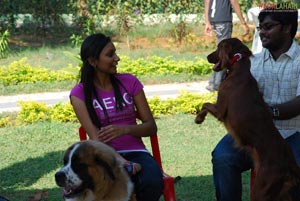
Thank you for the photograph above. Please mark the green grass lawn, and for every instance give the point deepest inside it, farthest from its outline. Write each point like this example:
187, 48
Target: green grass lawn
30, 156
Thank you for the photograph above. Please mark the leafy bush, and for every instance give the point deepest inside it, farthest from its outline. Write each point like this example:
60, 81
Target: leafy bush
155, 65
159, 107
32, 112
19, 72
62, 113
186, 102
5, 121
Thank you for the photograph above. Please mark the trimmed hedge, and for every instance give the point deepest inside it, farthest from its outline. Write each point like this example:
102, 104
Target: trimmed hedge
155, 65
20, 72
32, 111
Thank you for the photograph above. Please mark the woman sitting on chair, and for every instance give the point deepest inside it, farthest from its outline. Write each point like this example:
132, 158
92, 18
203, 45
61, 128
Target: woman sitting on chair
106, 102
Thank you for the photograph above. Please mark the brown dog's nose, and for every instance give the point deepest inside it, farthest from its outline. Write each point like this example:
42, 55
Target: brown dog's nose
213, 57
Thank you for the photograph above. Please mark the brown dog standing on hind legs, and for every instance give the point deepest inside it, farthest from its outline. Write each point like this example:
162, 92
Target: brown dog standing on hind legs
248, 119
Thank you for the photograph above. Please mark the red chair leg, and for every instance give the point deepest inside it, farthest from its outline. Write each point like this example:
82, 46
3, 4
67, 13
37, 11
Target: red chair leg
169, 191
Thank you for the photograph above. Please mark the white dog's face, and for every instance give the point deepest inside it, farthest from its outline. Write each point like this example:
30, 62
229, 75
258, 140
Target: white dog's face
67, 178
87, 168
72, 179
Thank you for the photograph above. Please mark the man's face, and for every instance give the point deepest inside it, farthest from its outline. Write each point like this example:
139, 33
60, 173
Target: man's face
271, 33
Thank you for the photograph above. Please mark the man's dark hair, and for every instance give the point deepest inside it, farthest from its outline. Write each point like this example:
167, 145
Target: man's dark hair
285, 13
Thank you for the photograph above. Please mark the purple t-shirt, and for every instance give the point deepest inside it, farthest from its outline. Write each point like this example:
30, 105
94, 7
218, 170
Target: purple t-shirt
126, 116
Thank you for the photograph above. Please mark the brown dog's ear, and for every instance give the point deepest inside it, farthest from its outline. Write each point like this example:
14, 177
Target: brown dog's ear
247, 51
241, 47
225, 52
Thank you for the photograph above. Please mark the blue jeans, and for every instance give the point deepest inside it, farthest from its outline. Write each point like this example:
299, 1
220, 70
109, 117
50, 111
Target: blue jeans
229, 162
148, 183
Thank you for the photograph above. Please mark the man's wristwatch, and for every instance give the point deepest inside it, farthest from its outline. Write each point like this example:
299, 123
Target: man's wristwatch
275, 111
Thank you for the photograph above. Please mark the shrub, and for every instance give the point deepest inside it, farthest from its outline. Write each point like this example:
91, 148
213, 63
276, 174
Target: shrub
185, 103
159, 106
32, 111
62, 113
5, 121
19, 72
155, 65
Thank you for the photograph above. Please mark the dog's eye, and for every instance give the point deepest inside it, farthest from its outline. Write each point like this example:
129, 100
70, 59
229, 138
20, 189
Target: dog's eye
78, 167
76, 161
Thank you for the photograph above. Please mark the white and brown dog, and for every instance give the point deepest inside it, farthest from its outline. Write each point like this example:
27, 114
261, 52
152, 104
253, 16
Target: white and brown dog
91, 172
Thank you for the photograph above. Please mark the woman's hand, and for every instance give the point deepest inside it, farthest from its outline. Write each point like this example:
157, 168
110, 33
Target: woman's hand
110, 132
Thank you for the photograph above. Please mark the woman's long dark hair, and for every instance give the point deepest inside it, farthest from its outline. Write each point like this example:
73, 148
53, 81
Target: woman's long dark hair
91, 48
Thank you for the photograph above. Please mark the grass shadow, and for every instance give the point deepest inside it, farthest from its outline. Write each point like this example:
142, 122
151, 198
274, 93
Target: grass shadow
26, 173
195, 188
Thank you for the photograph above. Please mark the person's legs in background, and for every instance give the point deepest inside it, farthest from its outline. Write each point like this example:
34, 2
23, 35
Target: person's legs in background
228, 164
222, 31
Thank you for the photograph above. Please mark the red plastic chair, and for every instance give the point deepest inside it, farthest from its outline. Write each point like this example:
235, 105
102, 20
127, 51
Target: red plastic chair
169, 190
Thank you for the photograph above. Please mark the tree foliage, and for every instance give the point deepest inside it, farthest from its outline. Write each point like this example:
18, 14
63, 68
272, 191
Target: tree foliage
88, 16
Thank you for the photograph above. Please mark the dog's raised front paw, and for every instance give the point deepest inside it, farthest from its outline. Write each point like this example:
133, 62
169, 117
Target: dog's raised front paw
200, 117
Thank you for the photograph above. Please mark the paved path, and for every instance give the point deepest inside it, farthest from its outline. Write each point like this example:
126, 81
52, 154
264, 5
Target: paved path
164, 91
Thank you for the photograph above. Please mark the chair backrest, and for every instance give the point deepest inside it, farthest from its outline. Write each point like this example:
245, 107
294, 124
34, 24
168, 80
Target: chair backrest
82, 134
153, 141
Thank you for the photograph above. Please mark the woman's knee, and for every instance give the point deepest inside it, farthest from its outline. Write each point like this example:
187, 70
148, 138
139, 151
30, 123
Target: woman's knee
150, 179
149, 188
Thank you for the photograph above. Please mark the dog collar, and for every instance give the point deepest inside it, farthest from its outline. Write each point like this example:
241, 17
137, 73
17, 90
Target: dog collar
236, 57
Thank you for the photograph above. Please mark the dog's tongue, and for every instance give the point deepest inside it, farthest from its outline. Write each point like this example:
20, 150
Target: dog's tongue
216, 67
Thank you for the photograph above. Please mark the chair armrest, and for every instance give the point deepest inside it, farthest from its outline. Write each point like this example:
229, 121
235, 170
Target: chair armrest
82, 134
